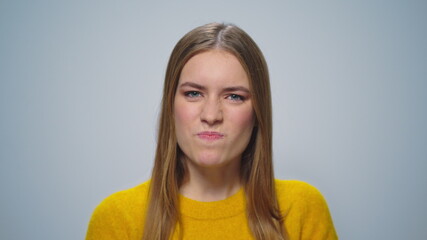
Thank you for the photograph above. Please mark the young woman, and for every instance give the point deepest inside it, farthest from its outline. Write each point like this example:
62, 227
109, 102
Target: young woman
213, 175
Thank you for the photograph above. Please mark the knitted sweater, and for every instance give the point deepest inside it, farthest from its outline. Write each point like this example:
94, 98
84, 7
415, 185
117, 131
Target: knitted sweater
121, 215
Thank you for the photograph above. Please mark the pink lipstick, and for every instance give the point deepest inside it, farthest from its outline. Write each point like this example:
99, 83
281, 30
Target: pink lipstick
210, 135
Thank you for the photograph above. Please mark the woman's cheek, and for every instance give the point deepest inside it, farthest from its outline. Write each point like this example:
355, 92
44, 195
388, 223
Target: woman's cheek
184, 114
245, 117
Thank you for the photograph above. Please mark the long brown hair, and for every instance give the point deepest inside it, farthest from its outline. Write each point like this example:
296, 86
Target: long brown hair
162, 216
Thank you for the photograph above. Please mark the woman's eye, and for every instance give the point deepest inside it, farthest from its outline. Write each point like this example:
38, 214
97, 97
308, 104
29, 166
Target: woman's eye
192, 94
236, 97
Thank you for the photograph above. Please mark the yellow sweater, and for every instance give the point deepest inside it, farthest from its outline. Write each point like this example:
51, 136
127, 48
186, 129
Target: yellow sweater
121, 215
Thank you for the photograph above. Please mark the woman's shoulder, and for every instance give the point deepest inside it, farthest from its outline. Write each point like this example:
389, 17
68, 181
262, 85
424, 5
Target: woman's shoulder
305, 209
295, 188
296, 192
119, 214
124, 198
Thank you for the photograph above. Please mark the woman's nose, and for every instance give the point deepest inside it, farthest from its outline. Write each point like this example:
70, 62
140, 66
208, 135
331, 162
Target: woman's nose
211, 112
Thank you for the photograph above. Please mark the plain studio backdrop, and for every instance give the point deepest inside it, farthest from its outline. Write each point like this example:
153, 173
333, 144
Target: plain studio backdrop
81, 84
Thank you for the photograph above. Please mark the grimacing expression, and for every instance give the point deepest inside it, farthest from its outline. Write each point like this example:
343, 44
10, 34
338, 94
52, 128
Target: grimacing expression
213, 112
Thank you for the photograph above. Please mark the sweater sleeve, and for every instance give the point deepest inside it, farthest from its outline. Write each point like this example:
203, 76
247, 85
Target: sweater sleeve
307, 216
107, 222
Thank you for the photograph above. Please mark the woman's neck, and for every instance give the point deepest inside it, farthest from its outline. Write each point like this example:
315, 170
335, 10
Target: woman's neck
209, 184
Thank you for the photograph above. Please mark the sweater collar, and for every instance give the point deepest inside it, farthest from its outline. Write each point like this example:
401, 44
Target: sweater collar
228, 207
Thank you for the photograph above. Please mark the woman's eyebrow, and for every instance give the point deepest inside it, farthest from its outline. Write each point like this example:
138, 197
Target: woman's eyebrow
236, 88
227, 89
193, 85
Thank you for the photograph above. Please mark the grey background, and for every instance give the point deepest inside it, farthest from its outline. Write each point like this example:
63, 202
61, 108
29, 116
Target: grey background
81, 83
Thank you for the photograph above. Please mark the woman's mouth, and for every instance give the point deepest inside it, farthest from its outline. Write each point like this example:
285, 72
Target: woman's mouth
210, 135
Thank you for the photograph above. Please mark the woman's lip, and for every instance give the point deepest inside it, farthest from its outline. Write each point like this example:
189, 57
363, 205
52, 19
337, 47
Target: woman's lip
210, 135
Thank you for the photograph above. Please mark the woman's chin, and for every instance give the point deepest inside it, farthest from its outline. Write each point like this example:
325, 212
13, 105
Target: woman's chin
210, 159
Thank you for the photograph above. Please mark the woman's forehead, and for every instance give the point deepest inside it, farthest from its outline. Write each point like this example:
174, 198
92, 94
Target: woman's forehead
214, 67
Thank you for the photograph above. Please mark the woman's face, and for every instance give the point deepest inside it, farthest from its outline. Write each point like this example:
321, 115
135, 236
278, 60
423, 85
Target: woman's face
213, 110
